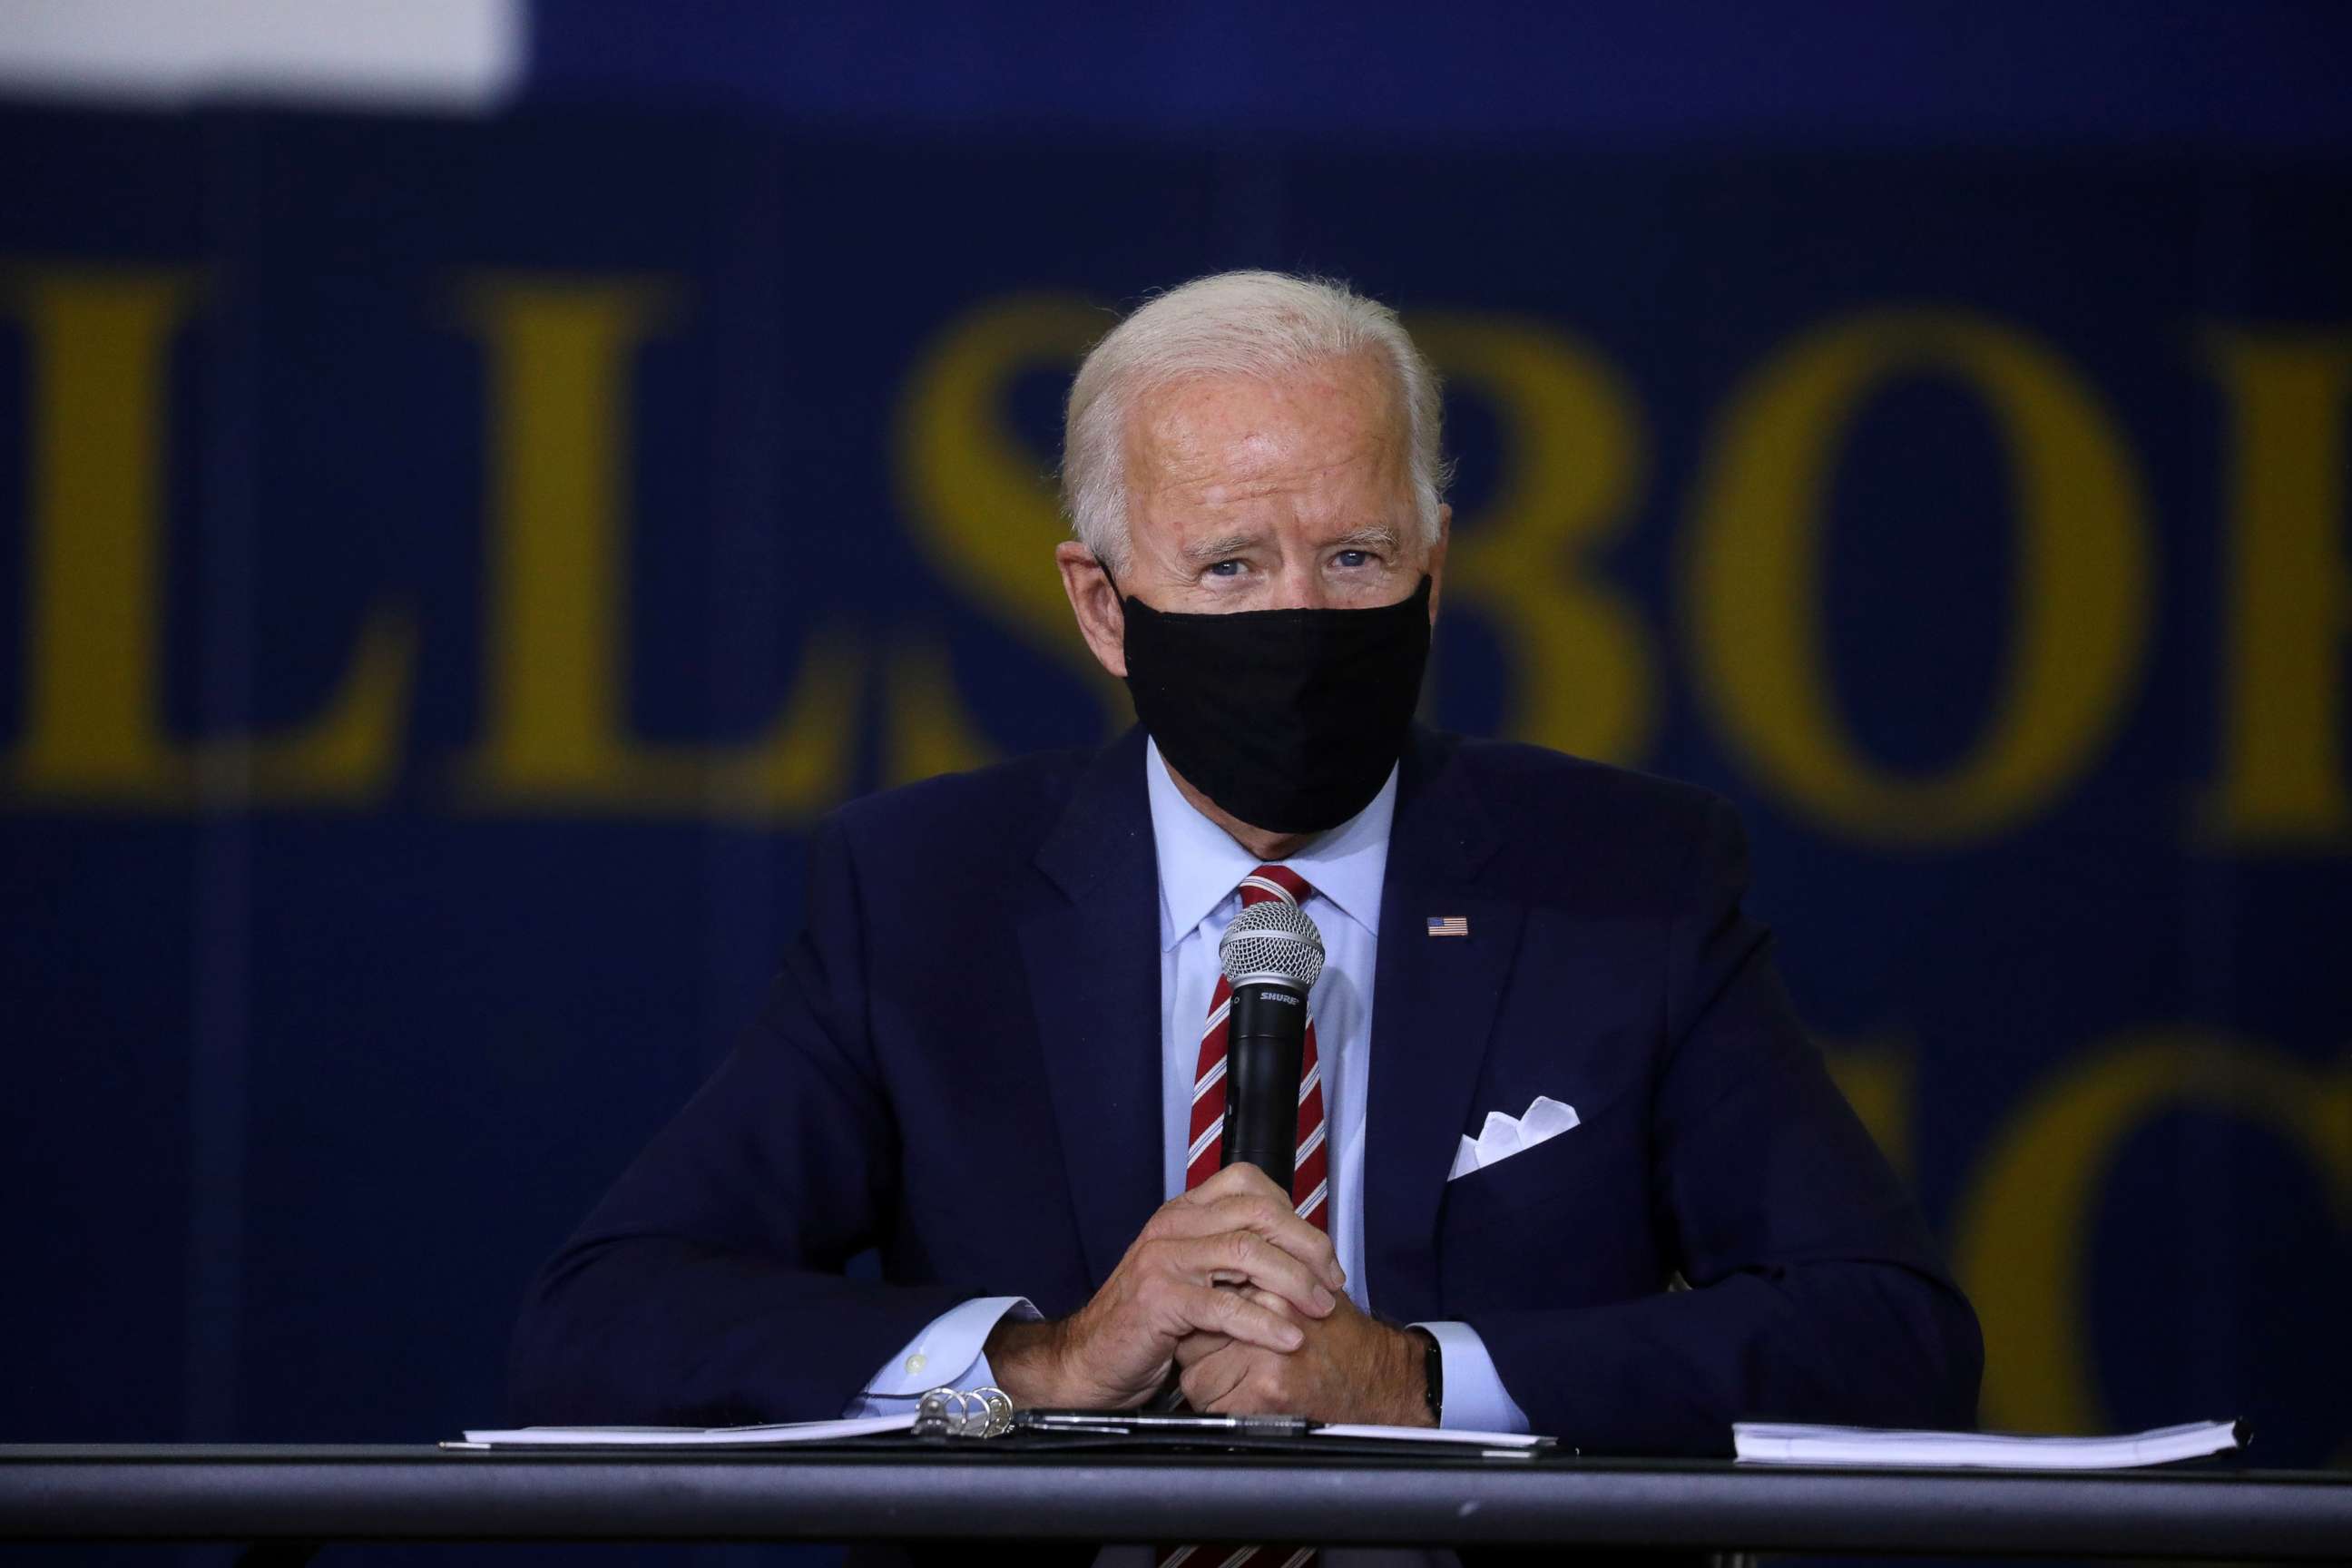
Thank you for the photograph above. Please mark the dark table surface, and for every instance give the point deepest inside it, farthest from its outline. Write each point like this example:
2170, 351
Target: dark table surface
314, 1494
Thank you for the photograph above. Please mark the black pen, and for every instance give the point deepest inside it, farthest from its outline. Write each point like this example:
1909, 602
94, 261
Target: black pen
1144, 1423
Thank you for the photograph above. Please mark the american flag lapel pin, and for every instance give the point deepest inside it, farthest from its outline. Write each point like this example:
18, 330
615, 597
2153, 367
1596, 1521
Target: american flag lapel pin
1449, 925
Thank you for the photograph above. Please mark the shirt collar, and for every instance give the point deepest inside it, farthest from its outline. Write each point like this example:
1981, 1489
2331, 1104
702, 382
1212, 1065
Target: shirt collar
1200, 865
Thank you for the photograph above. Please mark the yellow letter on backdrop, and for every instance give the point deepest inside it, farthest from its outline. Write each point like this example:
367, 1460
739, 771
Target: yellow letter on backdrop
100, 340
1582, 677
2023, 1237
555, 732
981, 504
2080, 605
2289, 592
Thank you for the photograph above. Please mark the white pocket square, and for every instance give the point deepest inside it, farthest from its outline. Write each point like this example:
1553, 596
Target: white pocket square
1504, 1136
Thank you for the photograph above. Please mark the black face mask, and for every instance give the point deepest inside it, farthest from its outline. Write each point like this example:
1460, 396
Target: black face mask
1290, 719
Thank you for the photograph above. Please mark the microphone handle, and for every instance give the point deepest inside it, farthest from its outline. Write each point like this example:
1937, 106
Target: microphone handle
1264, 1051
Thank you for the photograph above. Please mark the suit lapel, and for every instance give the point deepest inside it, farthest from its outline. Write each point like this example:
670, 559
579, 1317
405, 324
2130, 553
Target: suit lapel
1093, 962
1434, 1000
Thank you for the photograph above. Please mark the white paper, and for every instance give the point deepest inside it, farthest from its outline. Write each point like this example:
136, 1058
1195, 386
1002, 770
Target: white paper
1503, 1136
1766, 1443
1430, 1435
868, 1425
686, 1436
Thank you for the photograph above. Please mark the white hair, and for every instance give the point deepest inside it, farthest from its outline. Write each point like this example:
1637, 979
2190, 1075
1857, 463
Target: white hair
1257, 324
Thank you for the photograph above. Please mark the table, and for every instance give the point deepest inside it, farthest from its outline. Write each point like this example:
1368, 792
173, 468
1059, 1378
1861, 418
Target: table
350, 1493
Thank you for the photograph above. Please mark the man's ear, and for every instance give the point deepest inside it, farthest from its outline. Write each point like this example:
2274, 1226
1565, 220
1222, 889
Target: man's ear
1102, 621
1436, 567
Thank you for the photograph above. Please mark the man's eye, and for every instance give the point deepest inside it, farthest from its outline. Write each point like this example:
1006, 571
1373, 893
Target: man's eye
1226, 569
1352, 558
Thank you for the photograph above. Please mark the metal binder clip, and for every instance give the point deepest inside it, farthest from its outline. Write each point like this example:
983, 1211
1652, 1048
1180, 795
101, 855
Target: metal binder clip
963, 1413
931, 1416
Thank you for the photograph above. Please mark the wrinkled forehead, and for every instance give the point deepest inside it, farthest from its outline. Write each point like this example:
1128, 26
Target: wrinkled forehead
1325, 438
1226, 436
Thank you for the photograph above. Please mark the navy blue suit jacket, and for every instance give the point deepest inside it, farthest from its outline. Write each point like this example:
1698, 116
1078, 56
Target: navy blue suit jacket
960, 1068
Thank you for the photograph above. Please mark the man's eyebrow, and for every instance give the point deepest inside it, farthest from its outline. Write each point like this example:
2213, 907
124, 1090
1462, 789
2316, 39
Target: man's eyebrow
1375, 536
1209, 550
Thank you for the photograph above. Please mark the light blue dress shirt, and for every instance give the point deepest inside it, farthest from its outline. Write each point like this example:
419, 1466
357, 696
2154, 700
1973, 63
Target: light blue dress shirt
1201, 868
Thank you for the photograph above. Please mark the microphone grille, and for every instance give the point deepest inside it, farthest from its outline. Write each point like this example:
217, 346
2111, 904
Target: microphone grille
1275, 942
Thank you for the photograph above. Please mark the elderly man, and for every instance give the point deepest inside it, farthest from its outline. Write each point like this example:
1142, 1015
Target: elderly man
1551, 1072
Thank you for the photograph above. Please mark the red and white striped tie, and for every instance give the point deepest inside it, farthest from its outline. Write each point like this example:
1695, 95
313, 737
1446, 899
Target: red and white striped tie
1310, 1185
1309, 1182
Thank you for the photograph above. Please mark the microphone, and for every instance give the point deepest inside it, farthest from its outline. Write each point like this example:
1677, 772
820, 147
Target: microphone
1271, 953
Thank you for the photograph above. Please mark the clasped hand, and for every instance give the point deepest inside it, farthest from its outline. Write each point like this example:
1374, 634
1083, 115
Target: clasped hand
1243, 1301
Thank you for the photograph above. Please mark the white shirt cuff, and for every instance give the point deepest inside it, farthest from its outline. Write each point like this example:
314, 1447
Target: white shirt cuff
950, 1352
1475, 1399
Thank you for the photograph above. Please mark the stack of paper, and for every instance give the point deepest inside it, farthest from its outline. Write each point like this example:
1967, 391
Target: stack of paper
1765, 1443
871, 1426
666, 1437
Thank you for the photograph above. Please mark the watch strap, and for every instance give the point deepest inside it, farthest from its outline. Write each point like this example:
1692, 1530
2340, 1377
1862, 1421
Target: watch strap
1432, 1367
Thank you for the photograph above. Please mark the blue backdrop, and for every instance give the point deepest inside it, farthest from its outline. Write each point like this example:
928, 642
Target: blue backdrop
445, 566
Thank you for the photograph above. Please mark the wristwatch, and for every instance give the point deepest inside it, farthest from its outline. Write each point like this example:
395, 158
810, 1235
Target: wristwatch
1432, 1371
